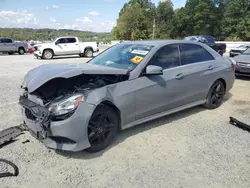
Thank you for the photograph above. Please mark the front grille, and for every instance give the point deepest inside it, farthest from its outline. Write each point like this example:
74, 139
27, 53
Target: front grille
242, 64
30, 115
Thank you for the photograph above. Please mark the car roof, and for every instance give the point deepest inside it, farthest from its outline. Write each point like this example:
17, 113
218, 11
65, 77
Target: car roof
159, 42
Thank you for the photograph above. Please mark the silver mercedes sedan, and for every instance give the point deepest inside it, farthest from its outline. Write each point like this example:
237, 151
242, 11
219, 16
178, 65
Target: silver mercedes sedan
75, 107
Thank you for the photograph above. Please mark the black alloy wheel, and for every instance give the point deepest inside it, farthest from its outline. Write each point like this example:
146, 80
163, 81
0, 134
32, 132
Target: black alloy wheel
216, 95
102, 128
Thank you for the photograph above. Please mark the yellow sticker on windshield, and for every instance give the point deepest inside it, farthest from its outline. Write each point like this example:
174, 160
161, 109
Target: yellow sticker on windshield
136, 59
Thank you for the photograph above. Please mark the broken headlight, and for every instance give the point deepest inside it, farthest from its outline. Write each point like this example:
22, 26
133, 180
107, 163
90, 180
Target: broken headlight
66, 105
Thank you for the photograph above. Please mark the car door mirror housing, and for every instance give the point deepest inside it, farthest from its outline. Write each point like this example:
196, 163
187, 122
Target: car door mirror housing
153, 70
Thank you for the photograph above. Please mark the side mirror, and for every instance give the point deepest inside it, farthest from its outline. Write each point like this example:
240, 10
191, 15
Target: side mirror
153, 70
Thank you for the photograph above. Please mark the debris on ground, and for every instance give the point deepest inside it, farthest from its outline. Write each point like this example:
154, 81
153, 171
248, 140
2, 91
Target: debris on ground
6, 171
26, 141
239, 124
8, 135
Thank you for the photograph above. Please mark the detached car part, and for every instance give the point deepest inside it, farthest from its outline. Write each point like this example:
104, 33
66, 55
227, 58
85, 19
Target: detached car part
11, 133
239, 124
5, 171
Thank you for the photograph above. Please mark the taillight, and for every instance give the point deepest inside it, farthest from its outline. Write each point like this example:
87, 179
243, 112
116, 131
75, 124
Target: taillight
233, 67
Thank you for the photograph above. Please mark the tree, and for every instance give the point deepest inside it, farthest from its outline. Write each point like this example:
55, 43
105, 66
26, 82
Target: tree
135, 20
164, 20
237, 19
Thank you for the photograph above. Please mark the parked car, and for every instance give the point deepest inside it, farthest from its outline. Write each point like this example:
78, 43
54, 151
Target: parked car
242, 64
76, 107
238, 50
65, 46
209, 40
7, 45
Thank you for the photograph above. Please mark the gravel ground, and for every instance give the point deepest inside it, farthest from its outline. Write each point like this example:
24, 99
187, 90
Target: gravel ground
193, 148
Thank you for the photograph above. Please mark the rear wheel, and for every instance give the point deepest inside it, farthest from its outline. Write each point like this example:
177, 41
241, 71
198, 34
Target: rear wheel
215, 95
47, 54
21, 51
102, 128
88, 52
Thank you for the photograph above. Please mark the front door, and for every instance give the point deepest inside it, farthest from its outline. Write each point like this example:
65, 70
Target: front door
158, 93
61, 47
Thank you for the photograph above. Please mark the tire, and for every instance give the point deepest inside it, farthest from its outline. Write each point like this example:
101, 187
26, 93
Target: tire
102, 129
10, 53
21, 51
215, 95
47, 54
81, 55
88, 53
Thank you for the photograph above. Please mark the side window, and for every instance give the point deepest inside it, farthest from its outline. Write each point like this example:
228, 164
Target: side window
192, 53
1, 40
71, 40
8, 41
166, 57
61, 41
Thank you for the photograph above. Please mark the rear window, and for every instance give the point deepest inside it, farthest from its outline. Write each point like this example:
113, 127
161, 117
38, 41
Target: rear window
192, 53
71, 40
209, 39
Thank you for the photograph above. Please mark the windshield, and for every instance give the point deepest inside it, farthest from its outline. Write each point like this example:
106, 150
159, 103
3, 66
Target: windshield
123, 56
247, 52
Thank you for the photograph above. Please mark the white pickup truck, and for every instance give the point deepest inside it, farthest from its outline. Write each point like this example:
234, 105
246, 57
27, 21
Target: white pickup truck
7, 45
65, 46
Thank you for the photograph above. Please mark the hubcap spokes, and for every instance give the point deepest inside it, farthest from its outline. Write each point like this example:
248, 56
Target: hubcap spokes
100, 128
217, 94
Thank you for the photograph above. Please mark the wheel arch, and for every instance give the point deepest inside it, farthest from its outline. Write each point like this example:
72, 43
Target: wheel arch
49, 49
20, 47
88, 47
114, 107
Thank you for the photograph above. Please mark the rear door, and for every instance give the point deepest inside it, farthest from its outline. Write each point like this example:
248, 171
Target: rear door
9, 45
199, 69
73, 46
159, 93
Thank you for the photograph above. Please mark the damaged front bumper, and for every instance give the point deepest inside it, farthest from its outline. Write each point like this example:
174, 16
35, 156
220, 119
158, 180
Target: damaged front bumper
70, 134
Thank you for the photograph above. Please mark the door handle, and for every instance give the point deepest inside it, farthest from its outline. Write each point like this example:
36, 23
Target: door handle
211, 67
65, 44
179, 76
76, 44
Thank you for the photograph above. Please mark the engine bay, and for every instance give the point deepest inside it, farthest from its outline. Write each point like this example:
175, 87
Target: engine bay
59, 87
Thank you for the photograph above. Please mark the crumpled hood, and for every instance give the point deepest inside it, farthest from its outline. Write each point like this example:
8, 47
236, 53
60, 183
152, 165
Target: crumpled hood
42, 74
242, 58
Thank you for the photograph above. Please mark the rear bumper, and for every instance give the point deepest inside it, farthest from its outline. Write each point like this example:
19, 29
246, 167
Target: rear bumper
70, 134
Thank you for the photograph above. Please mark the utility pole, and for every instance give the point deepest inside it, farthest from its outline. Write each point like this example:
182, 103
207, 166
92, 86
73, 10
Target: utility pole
153, 29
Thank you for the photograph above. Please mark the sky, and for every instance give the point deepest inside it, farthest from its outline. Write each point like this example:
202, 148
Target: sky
86, 15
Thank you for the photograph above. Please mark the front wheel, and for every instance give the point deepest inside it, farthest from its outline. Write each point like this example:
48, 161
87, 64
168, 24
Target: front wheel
215, 95
102, 128
47, 54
